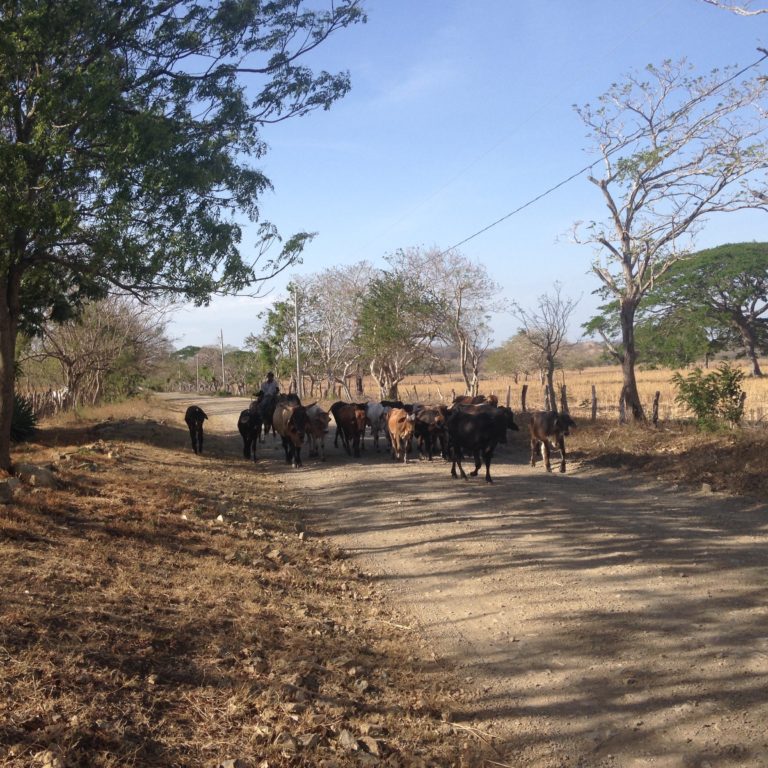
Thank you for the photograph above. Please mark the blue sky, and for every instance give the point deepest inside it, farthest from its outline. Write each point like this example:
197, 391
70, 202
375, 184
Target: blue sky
461, 111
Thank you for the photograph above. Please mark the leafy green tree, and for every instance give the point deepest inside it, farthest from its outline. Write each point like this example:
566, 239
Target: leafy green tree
128, 133
674, 340
674, 148
274, 346
724, 289
465, 296
397, 325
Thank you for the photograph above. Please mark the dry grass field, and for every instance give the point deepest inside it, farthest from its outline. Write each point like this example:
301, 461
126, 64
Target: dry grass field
605, 379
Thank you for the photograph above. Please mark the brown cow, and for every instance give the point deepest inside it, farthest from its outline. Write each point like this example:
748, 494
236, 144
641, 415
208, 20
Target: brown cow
475, 399
317, 429
546, 425
290, 422
400, 426
350, 425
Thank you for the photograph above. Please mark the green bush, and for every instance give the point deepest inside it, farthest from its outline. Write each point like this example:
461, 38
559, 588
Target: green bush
715, 399
24, 422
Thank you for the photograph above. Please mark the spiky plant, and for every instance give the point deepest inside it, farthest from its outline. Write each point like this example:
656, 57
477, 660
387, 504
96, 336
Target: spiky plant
24, 422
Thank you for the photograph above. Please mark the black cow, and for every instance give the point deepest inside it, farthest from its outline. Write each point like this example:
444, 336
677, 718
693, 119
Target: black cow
429, 429
195, 416
545, 426
266, 409
477, 430
249, 426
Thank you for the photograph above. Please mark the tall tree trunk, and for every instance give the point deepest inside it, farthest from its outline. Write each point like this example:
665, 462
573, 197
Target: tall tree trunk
387, 381
551, 383
7, 350
9, 319
750, 347
464, 362
631, 395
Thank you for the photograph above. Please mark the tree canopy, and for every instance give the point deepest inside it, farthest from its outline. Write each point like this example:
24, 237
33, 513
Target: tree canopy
128, 137
723, 290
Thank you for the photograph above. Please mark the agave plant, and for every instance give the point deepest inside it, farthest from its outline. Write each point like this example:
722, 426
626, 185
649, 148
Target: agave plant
24, 422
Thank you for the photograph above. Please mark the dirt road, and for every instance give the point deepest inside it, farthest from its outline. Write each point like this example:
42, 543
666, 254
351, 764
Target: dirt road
597, 619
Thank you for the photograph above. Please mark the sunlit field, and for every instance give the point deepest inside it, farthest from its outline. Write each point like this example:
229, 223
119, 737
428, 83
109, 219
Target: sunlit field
605, 379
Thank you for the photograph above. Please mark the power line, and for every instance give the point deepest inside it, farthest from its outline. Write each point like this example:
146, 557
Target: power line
522, 207
609, 152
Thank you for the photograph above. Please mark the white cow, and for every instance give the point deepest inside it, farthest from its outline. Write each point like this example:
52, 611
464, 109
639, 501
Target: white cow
376, 416
317, 429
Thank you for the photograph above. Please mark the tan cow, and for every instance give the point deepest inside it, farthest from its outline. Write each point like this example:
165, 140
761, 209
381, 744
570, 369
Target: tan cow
400, 425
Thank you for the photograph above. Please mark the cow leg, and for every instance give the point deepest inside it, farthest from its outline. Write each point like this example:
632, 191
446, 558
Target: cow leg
545, 447
487, 456
287, 448
478, 463
356, 446
322, 448
456, 457
200, 437
534, 450
561, 444
297, 456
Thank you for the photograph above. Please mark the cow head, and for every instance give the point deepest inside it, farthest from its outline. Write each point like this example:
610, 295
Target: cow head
509, 418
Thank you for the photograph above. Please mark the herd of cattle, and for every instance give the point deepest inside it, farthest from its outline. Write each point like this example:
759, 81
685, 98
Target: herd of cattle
470, 426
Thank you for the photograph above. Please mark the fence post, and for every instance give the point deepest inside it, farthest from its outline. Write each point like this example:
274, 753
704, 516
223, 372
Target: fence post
523, 395
509, 394
655, 417
563, 399
594, 403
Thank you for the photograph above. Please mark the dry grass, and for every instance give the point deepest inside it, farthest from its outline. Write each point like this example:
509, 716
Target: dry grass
606, 381
162, 609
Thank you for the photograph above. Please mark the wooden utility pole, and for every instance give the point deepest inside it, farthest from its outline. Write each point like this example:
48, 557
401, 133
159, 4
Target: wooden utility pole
299, 383
223, 375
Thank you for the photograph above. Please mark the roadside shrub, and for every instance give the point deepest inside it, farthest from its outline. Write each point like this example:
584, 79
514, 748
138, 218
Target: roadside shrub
24, 421
715, 399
